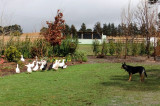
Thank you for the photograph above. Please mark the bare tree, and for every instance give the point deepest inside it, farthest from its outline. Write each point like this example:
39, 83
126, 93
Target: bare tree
146, 16
126, 21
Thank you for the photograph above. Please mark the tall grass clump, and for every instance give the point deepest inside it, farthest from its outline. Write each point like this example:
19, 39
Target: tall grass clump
41, 48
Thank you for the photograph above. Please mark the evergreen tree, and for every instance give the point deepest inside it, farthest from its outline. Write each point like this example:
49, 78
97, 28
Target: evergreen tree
73, 30
89, 30
83, 28
67, 31
98, 28
109, 29
105, 29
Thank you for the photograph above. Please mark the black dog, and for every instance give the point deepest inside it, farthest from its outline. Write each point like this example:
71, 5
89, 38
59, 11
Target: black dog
132, 70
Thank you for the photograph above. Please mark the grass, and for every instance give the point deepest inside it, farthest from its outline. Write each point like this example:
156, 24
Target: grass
87, 48
94, 84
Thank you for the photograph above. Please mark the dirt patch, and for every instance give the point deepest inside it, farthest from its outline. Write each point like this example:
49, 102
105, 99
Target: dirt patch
8, 68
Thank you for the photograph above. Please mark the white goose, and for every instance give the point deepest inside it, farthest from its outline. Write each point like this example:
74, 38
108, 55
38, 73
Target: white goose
62, 63
36, 67
32, 65
17, 69
65, 66
42, 65
29, 70
56, 65
22, 59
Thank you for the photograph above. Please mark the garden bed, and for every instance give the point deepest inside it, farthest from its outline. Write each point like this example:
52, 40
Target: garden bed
8, 68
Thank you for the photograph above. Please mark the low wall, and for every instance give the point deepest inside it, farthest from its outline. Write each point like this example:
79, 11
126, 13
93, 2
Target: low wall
88, 41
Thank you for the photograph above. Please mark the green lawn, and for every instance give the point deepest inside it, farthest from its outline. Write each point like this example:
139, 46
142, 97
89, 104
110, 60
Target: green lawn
86, 48
86, 84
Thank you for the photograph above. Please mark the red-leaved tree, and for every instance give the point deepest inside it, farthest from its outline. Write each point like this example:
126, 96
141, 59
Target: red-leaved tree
54, 32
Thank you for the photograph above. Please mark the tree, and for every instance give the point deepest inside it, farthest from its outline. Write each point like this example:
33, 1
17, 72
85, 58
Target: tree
147, 19
98, 28
73, 30
127, 18
67, 30
89, 30
83, 28
105, 29
54, 33
43, 30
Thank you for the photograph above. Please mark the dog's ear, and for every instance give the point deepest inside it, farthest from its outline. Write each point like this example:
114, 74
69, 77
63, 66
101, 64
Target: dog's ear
124, 63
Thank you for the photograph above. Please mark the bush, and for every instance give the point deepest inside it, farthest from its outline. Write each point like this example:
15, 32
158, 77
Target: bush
25, 47
68, 46
111, 47
142, 48
95, 46
104, 48
135, 49
80, 56
12, 54
119, 49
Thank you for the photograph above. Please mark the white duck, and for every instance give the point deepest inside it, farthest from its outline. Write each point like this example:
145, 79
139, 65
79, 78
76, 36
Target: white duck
29, 70
22, 59
65, 66
17, 69
32, 65
56, 65
62, 63
42, 65
36, 67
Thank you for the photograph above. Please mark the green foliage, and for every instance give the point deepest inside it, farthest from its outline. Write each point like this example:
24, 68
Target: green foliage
12, 54
96, 46
25, 47
68, 46
12, 30
41, 48
135, 49
80, 56
142, 48
119, 49
104, 48
111, 47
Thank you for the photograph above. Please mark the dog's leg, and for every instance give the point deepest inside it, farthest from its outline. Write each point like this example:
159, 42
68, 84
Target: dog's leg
130, 77
142, 77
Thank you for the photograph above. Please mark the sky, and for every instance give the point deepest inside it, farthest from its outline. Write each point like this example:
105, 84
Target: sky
32, 15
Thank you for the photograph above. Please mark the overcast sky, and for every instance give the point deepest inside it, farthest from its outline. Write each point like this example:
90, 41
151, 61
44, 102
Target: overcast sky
33, 14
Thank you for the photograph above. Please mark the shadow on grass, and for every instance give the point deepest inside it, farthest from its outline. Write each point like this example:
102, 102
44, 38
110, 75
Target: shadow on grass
151, 83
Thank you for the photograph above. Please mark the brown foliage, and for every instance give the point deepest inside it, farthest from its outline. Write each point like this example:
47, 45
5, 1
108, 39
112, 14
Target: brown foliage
54, 33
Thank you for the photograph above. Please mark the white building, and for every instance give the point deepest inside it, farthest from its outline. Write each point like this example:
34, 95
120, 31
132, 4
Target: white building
88, 38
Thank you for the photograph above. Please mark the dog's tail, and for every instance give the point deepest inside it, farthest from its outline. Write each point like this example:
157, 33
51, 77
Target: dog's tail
145, 72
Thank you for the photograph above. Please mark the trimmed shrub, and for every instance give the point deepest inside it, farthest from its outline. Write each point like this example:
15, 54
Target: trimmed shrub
12, 54
104, 48
95, 46
111, 47
80, 56
135, 49
142, 48
68, 46
119, 49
